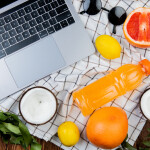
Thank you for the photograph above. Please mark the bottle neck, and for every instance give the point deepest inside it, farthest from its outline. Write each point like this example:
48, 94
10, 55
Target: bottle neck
145, 65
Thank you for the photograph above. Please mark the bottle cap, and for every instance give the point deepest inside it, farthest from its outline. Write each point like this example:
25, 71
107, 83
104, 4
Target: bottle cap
146, 65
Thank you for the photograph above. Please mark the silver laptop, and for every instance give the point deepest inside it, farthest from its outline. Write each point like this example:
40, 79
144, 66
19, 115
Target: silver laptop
37, 38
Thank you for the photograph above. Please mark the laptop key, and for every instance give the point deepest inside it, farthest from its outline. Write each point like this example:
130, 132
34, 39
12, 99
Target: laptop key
54, 4
19, 29
12, 41
21, 20
26, 34
48, 7
2, 22
39, 28
19, 37
52, 21
7, 19
41, 3
60, 2
34, 14
61, 9
70, 20
39, 19
52, 13
7, 27
64, 23
34, 6
2, 30
21, 12
57, 26
32, 23
14, 24
43, 34
41, 11
6, 36
1, 39
2, 54
5, 44
48, 1
1, 48
12, 32
50, 30
28, 9
28, 17
46, 16
63, 16
14, 16
46, 24
26, 26
22, 44
32, 31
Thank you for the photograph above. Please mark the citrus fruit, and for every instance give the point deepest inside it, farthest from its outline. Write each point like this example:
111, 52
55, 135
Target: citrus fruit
108, 46
107, 127
137, 28
68, 133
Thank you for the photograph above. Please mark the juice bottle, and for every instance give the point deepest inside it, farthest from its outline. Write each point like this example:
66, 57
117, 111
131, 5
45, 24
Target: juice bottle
111, 86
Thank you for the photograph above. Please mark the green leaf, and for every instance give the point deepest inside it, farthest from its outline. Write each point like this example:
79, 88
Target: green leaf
12, 118
35, 146
16, 140
15, 117
146, 143
2, 117
25, 133
148, 136
148, 129
128, 146
12, 128
140, 148
14, 131
4, 129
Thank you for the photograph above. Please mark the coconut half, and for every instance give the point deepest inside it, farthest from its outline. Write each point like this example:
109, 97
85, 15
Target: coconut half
38, 105
145, 103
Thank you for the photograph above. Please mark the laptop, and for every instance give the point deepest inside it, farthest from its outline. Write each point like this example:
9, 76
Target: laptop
37, 38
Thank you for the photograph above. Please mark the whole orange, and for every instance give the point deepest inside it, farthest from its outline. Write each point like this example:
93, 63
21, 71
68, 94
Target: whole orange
107, 127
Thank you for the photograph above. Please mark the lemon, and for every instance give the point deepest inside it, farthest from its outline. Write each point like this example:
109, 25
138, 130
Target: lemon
108, 46
68, 133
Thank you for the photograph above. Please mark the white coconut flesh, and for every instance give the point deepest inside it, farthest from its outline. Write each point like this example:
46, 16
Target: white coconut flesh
145, 103
38, 106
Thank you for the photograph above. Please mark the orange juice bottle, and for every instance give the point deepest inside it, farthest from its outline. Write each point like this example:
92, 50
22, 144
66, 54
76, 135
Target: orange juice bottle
109, 87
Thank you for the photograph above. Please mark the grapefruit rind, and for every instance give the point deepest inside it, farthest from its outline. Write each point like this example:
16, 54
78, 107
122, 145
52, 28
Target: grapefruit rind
140, 44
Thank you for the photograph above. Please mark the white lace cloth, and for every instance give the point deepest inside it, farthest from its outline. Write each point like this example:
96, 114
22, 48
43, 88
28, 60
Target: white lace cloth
86, 71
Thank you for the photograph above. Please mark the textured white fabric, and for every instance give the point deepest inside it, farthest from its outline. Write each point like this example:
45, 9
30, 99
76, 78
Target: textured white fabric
86, 71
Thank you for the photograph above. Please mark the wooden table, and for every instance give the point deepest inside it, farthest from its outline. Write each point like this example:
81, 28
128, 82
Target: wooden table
50, 146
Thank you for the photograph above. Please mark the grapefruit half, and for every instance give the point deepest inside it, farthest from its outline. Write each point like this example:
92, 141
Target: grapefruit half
137, 27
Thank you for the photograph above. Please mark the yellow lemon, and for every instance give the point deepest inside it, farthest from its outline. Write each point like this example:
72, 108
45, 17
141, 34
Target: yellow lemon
108, 46
68, 133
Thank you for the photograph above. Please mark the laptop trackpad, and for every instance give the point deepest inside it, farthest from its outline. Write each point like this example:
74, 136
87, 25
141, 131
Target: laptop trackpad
35, 62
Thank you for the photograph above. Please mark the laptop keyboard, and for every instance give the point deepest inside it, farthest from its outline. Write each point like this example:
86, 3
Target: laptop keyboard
30, 22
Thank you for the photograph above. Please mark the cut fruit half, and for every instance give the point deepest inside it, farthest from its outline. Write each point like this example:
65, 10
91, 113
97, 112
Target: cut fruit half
137, 28
145, 103
38, 105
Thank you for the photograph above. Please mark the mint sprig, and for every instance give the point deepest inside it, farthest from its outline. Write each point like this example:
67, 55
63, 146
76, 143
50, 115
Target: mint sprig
13, 131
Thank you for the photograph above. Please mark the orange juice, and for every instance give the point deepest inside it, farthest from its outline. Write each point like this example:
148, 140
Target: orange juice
111, 86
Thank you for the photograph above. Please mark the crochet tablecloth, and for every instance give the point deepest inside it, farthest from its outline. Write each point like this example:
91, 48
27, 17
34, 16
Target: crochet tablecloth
84, 72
